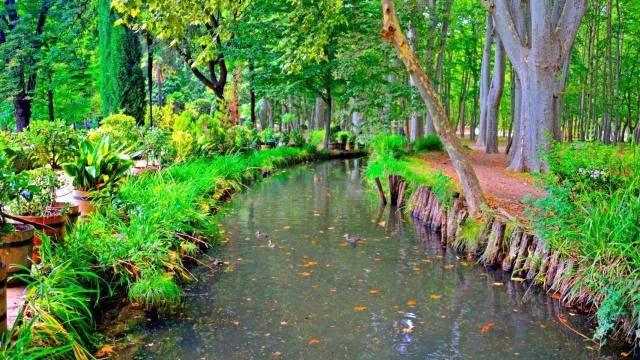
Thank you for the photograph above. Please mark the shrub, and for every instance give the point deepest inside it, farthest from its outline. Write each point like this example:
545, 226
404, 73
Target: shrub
428, 143
200, 106
316, 137
121, 130
50, 143
389, 145
267, 137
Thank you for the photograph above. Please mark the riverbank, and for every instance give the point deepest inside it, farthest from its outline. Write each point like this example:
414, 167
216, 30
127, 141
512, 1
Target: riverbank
136, 248
523, 242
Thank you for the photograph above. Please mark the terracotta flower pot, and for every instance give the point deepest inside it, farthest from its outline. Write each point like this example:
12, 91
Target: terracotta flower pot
335, 146
17, 248
72, 210
266, 146
83, 198
54, 226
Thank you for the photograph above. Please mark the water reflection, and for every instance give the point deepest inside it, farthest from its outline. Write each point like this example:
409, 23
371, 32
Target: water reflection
400, 294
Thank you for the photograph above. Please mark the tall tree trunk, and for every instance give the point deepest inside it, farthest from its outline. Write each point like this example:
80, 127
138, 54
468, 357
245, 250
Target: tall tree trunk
159, 83
494, 98
485, 74
550, 44
150, 76
470, 184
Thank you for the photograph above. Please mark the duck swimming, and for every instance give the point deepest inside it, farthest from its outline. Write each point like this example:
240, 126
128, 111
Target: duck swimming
353, 239
271, 245
261, 235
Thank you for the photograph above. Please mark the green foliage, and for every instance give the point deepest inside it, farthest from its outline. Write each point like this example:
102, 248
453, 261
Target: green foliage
157, 146
98, 166
428, 143
155, 291
201, 106
393, 146
122, 84
296, 138
267, 137
121, 129
591, 214
49, 143
316, 137
11, 183
38, 194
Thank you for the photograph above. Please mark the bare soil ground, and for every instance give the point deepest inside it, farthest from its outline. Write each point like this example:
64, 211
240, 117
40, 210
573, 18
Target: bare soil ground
502, 188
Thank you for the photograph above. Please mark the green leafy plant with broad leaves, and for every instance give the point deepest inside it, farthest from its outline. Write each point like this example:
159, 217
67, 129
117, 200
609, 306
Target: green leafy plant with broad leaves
98, 165
296, 138
49, 143
428, 143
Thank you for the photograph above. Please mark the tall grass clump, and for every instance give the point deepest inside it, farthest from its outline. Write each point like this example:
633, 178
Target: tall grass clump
592, 215
428, 143
392, 146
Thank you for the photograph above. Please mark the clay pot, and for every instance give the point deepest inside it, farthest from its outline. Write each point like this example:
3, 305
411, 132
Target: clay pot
266, 146
54, 226
72, 210
83, 199
17, 248
335, 146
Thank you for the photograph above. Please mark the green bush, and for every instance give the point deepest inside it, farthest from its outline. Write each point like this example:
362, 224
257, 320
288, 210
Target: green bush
50, 142
428, 143
389, 146
316, 137
121, 129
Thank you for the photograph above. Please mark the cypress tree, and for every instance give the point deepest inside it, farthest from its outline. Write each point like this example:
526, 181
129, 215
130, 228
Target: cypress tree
122, 86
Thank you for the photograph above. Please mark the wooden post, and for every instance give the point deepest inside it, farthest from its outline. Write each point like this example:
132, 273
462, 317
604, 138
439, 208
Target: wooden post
383, 199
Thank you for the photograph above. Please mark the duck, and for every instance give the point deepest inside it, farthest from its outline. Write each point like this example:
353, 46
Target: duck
261, 235
271, 245
353, 239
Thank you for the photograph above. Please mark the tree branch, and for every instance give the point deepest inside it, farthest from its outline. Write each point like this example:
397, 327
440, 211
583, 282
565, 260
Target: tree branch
506, 29
568, 24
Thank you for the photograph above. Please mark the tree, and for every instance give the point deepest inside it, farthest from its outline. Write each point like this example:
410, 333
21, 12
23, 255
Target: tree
470, 184
537, 58
121, 78
198, 29
24, 31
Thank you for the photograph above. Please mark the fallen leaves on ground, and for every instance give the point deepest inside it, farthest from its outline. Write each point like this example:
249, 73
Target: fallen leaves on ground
487, 327
359, 308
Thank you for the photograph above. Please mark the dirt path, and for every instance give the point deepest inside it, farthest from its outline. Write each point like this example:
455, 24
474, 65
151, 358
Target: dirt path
502, 188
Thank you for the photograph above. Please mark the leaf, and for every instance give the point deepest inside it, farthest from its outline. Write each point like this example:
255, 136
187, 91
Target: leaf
314, 341
487, 327
305, 273
359, 308
416, 268
436, 297
407, 330
374, 291
411, 302
426, 260
498, 283
310, 264
286, 227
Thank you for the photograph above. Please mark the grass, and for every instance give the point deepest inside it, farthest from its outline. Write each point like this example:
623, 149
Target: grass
133, 247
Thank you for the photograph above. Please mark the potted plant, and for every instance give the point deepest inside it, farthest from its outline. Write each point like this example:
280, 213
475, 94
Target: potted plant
296, 139
282, 139
16, 240
342, 137
267, 138
157, 149
97, 167
32, 206
50, 144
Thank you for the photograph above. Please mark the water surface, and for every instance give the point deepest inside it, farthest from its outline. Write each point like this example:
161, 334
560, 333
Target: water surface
397, 295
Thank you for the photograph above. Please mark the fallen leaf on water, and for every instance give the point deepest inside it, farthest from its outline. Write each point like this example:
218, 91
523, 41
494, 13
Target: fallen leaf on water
333, 290
286, 227
305, 273
330, 228
359, 308
439, 257
517, 279
283, 322
416, 269
305, 256
277, 353
543, 326
314, 341
310, 264
382, 223
411, 302
436, 297
624, 354
315, 286
316, 214
314, 242
426, 260
487, 327
498, 283
377, 259
235, 322
556, 296
374, 291
447, 267
343, 245
407, 330
229, 268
